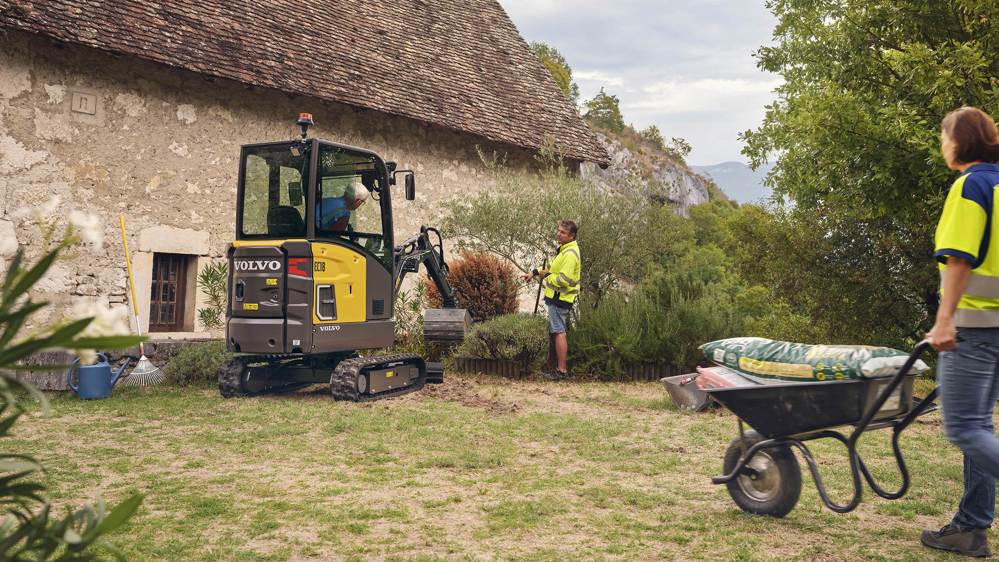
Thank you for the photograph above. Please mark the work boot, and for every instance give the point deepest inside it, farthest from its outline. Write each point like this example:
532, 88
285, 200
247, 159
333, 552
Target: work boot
555, 375
970, 542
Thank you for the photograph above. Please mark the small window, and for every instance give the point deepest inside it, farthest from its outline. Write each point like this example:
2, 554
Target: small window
168, 293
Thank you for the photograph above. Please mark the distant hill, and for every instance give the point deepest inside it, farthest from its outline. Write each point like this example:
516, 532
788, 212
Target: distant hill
737, 180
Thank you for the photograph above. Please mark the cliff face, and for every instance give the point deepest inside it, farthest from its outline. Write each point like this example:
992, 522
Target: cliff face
641, 167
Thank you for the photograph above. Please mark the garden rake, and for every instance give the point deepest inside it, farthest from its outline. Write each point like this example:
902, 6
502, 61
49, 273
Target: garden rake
144, 373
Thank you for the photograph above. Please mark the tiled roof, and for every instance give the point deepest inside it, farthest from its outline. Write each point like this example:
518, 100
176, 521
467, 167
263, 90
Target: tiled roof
456, 63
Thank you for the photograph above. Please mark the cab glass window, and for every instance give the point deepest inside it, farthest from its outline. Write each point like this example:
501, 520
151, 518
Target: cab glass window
347, 202
273, 197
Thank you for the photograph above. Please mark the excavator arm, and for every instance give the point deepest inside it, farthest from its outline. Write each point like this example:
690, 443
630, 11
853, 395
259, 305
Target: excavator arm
447, 324
420, 250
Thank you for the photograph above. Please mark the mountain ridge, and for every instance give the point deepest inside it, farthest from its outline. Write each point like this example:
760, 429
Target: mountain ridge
737, 180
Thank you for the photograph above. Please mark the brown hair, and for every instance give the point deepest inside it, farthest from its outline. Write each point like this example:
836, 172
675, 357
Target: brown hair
974, 134
568, 225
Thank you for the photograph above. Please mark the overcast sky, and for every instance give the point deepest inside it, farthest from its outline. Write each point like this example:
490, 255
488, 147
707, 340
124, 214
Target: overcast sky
683, 65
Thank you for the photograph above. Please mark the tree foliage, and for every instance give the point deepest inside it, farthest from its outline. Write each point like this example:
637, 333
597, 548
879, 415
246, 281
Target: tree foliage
655, 285
620, 233
604, 112
855, 133
559, 69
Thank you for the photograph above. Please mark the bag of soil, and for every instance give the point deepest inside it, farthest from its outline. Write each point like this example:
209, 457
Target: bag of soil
796, 361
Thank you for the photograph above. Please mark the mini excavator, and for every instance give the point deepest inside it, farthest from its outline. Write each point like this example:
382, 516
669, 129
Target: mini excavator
314, 273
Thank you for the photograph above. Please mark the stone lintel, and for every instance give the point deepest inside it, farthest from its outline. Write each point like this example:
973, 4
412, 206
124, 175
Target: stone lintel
170, 240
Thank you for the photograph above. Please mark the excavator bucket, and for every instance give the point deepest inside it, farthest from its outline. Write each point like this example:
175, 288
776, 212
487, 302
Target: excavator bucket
446, 325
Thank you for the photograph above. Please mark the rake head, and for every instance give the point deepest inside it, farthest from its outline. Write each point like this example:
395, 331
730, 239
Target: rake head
144, 374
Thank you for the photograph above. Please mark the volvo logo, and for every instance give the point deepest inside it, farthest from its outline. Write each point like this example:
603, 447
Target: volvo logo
258, 265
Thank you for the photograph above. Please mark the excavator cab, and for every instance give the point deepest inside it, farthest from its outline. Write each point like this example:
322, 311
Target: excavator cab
314, 272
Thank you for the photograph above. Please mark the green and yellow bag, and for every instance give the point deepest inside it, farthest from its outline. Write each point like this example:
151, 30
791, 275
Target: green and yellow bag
797, 361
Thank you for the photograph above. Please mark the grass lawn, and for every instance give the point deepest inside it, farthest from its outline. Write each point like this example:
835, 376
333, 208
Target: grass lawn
477, 468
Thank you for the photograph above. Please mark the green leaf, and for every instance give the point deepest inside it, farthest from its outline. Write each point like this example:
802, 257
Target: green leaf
29, 278
26, 310
12, 271
105, 342
67, 333
119, 515
19, 466
58, 338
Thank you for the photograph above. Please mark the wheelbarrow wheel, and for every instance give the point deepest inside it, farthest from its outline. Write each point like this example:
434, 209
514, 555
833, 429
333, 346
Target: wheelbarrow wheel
770, 483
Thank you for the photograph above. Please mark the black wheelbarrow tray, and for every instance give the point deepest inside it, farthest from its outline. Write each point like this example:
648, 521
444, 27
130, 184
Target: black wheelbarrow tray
761, 472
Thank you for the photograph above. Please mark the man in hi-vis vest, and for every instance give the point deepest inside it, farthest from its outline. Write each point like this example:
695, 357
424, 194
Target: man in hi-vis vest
561, 284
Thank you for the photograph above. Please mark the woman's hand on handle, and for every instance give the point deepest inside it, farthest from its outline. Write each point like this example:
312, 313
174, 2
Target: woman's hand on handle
943, 335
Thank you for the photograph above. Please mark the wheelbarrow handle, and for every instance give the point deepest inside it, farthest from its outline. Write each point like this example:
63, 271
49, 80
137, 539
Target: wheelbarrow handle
888, 390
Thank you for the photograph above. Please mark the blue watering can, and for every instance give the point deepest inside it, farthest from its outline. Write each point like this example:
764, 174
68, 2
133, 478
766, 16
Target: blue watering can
94, 381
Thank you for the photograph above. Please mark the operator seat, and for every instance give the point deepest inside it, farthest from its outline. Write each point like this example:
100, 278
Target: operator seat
285, 220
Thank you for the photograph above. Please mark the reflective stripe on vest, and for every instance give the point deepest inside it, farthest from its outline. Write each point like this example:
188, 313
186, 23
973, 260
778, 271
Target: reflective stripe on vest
979, 305
563, 278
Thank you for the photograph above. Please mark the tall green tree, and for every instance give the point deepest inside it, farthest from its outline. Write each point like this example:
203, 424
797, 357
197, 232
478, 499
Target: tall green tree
855, 134
604, 111
559, 69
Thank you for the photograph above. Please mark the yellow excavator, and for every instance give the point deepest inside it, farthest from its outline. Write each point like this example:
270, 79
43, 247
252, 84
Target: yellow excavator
314, 274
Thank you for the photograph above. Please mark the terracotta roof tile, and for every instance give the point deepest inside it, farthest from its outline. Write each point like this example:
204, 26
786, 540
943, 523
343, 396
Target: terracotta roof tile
456, 63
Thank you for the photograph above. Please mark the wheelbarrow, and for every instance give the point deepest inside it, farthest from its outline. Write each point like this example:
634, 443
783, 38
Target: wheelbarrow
761, 472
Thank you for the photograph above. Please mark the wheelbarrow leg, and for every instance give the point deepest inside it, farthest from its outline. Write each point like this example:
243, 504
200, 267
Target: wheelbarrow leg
897, 429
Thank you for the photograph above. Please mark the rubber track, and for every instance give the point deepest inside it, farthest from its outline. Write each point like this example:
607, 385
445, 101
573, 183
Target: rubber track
231, 374
343, 385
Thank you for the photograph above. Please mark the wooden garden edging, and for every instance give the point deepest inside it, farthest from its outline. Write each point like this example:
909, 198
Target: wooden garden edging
516, 370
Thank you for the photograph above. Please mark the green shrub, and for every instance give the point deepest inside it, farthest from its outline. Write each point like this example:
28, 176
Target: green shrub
213, 281
604, 339
409, 323
197, 363
662, 321
484, 284
515, 337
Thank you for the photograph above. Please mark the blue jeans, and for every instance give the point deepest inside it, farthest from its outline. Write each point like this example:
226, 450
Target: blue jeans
969, 387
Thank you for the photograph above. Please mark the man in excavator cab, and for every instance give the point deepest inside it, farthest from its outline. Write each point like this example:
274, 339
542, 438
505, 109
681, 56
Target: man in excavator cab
313, 281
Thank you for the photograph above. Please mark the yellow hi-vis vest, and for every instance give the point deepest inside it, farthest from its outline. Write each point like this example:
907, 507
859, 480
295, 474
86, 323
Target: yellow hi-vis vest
562, 282
966, 231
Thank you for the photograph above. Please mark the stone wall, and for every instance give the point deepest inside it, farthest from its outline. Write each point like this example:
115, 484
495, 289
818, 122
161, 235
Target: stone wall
115, 135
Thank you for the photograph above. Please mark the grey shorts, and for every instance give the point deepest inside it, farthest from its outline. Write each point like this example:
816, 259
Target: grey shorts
557, 319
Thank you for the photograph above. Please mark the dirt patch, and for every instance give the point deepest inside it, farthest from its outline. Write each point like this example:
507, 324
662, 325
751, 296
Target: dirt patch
467, 391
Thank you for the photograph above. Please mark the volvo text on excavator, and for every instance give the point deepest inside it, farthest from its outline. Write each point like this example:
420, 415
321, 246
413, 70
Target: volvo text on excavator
314, 272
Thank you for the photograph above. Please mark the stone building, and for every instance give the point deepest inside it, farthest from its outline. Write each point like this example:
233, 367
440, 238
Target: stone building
139, 108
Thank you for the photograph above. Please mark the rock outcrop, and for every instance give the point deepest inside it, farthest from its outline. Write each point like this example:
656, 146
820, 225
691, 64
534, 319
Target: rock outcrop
641, 167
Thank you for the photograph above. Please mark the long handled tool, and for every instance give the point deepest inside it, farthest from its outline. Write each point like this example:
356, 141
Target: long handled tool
144, 373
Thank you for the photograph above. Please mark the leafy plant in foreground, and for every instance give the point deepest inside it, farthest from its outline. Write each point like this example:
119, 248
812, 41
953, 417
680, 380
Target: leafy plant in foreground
28, 530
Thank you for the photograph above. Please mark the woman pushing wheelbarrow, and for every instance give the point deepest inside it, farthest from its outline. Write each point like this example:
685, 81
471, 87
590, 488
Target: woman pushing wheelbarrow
966, 332
792, 393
